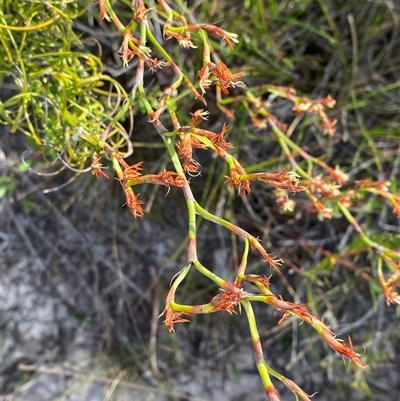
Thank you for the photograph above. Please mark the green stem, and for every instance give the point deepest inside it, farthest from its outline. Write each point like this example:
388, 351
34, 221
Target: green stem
380, 249
258, 355
212, 276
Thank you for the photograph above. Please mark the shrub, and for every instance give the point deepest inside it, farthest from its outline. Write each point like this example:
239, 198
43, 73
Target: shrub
71, 110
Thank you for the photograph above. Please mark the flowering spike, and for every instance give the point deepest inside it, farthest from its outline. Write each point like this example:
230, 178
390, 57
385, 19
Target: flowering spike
225, 79
97, 168
134, 203
234, 181
228, 36
227, 300
103, 11
185, 150
172, 317
155, 64
198, 116
282, 179
140, 13
132, 172
170, 178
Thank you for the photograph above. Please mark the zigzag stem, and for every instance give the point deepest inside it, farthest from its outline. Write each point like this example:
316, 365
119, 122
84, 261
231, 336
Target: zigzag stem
231, 294
219, 303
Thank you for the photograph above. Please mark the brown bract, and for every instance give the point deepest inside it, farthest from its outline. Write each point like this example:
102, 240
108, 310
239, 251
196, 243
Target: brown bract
155, 64
391, 289
170, 178
218, 141
140, 13
234, 180
97, 167
227, 300
134, 203
281, 179
185, 151
132, 172
225, 79
172, 317
103, 11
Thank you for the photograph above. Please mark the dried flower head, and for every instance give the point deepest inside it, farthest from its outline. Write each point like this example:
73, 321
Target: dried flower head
319, 184
172, 317
391, 289
205, 81
103, 11
338, 175
228, 300
185, 151
140, 12
97, 167
228, 36
283, 179
184, 41
133, 202
324, 211
198, 116
155, 64
170, 178
225, 79
234, 180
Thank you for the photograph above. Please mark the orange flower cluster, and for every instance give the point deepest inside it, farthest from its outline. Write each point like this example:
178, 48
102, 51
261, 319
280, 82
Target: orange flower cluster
97, 167
391, 289
283, 179
229, 37
132, 172
131, 175
336, 174
285, 204
273, 262
300, 311
172, 317
133, 203
185, 149
234, 180
382, 189
225, 79
192, 137
317, 106
140, 12
228, 300
306, 105
320, 185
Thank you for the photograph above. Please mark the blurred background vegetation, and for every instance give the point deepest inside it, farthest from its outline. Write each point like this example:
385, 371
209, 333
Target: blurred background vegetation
65, 237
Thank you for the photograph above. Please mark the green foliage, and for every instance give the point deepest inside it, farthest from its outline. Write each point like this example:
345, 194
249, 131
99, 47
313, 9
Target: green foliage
60, 92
